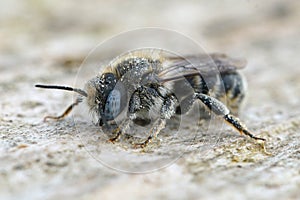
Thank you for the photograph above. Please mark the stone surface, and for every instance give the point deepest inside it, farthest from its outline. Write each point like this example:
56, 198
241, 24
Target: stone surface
46, 41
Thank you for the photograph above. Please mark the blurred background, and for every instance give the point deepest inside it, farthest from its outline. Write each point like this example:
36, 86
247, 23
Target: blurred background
47, 40
59, 34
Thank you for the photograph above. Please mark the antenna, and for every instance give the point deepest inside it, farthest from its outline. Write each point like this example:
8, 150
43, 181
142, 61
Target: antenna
59, 87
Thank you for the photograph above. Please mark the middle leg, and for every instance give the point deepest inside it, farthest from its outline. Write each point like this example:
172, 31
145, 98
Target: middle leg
152, 103
158, 125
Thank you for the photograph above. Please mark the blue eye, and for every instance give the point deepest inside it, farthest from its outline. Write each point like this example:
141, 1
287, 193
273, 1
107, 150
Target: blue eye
112, 105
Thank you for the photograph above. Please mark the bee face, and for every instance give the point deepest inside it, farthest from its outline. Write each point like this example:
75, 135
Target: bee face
103, 98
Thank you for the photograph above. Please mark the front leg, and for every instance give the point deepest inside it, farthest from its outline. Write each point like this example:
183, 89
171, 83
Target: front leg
117, 134
119, 131
66, 112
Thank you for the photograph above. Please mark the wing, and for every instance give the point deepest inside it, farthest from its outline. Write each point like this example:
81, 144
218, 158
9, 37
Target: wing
207, 65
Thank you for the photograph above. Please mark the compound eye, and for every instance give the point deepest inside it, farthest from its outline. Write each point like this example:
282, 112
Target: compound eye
113, 105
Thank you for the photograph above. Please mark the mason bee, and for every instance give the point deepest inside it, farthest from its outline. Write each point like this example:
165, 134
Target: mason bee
144, 89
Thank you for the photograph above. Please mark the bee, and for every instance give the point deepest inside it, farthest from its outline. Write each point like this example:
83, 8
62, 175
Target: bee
148, 89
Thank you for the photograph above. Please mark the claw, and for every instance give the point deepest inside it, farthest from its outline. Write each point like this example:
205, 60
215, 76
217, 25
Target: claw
263, 146
139, 145
118, 134
113, 140
143, 144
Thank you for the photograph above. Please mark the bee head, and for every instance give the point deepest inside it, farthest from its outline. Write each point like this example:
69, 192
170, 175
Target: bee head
102, 97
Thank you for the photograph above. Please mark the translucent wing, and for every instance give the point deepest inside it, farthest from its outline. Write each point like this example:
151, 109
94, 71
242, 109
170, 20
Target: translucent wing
207, 65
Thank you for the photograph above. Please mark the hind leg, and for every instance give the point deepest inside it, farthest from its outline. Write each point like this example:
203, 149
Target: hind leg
219, 109
235, 89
